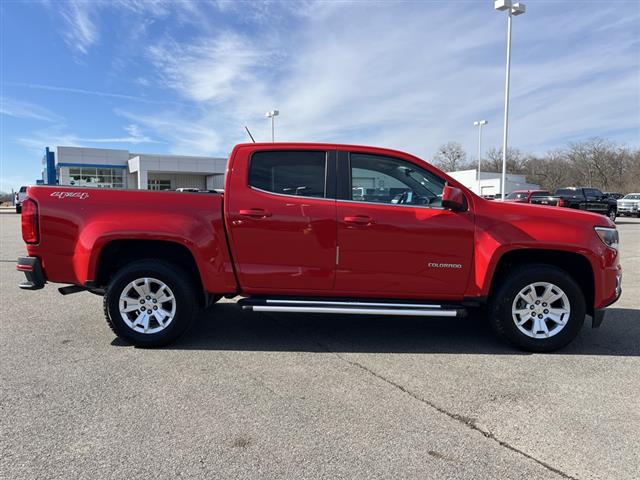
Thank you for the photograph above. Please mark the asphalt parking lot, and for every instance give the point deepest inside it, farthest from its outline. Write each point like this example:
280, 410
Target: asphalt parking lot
248, 395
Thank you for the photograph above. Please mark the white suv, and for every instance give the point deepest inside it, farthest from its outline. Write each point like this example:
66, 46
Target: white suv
629, 205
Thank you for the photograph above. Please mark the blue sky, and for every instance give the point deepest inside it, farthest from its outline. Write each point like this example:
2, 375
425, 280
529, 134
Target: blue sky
186, 76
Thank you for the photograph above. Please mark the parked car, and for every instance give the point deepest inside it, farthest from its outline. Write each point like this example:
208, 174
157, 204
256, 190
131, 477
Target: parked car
629, 205
289, 235
20, 196
581, 198
524, 196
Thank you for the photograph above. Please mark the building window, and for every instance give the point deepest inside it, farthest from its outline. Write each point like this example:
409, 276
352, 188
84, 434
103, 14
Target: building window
96, 177
159, 185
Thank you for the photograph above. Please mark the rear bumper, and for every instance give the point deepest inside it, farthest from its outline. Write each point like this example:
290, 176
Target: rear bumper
33, 272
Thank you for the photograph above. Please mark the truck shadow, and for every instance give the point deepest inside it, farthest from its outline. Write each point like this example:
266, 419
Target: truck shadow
226, 327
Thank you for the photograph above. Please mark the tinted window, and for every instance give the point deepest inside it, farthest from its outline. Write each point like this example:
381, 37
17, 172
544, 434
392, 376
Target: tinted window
568, 192
381, 179
540, 194
517, 196
23, 189
289, 172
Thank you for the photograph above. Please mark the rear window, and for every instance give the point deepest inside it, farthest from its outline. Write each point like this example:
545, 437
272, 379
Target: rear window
299, 173
517, 195
23, 189
568, 192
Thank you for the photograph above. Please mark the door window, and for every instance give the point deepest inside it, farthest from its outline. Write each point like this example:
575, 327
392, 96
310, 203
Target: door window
380, 179
298, 173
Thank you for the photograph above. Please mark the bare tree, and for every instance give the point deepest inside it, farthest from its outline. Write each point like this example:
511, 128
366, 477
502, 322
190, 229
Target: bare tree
515, 161
450, 157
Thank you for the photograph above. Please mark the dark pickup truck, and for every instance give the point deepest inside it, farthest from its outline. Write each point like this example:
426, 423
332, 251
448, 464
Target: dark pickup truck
581, 198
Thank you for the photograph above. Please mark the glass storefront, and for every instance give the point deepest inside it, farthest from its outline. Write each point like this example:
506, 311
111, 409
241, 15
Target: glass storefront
96, 177
157, 184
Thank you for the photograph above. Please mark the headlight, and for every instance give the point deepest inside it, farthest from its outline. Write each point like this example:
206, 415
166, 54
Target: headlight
609, 236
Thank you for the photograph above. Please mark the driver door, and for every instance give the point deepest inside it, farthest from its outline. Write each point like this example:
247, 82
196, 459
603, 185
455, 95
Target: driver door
394, 237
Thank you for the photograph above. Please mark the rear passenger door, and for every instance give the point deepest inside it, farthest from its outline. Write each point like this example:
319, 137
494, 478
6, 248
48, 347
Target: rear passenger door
281, 215
595, 200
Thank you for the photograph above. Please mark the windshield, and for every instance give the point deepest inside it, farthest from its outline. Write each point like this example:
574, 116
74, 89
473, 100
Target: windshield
517, 195
632, 196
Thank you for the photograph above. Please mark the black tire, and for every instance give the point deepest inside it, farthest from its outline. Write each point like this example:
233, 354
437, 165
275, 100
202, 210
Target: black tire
184, 293
18, 208
500, 308
612, 214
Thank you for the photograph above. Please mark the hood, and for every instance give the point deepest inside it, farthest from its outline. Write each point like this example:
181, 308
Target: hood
521, 212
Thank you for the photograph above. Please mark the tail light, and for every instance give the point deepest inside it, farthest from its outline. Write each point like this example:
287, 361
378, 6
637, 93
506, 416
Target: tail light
561, 202
30, 230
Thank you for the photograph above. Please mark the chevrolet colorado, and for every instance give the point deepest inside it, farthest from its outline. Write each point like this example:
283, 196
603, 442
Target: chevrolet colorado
323, 228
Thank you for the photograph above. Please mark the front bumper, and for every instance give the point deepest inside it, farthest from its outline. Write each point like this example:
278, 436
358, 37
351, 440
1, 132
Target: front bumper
33, 273
598, 313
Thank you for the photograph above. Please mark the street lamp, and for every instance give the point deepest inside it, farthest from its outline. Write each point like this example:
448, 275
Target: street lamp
272, 115
479, 124
513, 9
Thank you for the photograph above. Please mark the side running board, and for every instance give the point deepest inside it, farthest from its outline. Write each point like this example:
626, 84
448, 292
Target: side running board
352, 307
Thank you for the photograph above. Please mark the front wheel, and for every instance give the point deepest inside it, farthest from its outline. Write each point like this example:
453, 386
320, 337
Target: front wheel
150, 303
538, 308
612, 214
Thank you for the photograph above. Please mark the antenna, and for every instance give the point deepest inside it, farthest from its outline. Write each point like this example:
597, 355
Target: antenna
252, 139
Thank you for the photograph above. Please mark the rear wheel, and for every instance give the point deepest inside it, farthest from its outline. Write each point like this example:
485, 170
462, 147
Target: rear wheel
538, 307
150, 303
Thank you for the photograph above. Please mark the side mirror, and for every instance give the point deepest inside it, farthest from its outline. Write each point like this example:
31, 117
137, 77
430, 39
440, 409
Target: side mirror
453, 199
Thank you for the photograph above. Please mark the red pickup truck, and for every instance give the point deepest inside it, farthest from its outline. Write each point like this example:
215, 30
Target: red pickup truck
323, 228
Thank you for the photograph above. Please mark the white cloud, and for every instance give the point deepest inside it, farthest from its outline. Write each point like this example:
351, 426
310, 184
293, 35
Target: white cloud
59, 135
79, 31
20, 109
414, 76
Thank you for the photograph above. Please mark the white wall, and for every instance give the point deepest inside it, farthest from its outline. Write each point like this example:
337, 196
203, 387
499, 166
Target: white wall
490, 182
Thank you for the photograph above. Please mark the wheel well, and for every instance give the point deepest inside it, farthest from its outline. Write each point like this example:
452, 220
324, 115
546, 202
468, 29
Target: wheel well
119, 253
576, 265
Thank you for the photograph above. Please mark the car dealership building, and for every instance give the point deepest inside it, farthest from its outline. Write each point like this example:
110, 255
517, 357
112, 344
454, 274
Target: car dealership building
110, 168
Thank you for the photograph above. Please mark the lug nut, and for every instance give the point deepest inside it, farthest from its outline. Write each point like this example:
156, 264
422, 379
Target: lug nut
142, 300
544, 304
537, 302
532, 307
143, 309
540, 316
546, 311
155, 308
155, 301
148, 297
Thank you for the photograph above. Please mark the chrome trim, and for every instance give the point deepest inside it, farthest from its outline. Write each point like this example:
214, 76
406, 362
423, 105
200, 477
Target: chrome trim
357, 311
290, 196
392, 204
354, 304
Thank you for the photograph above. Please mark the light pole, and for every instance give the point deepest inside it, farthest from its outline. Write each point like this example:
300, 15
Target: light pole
513, 9
272, 115
479, 124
